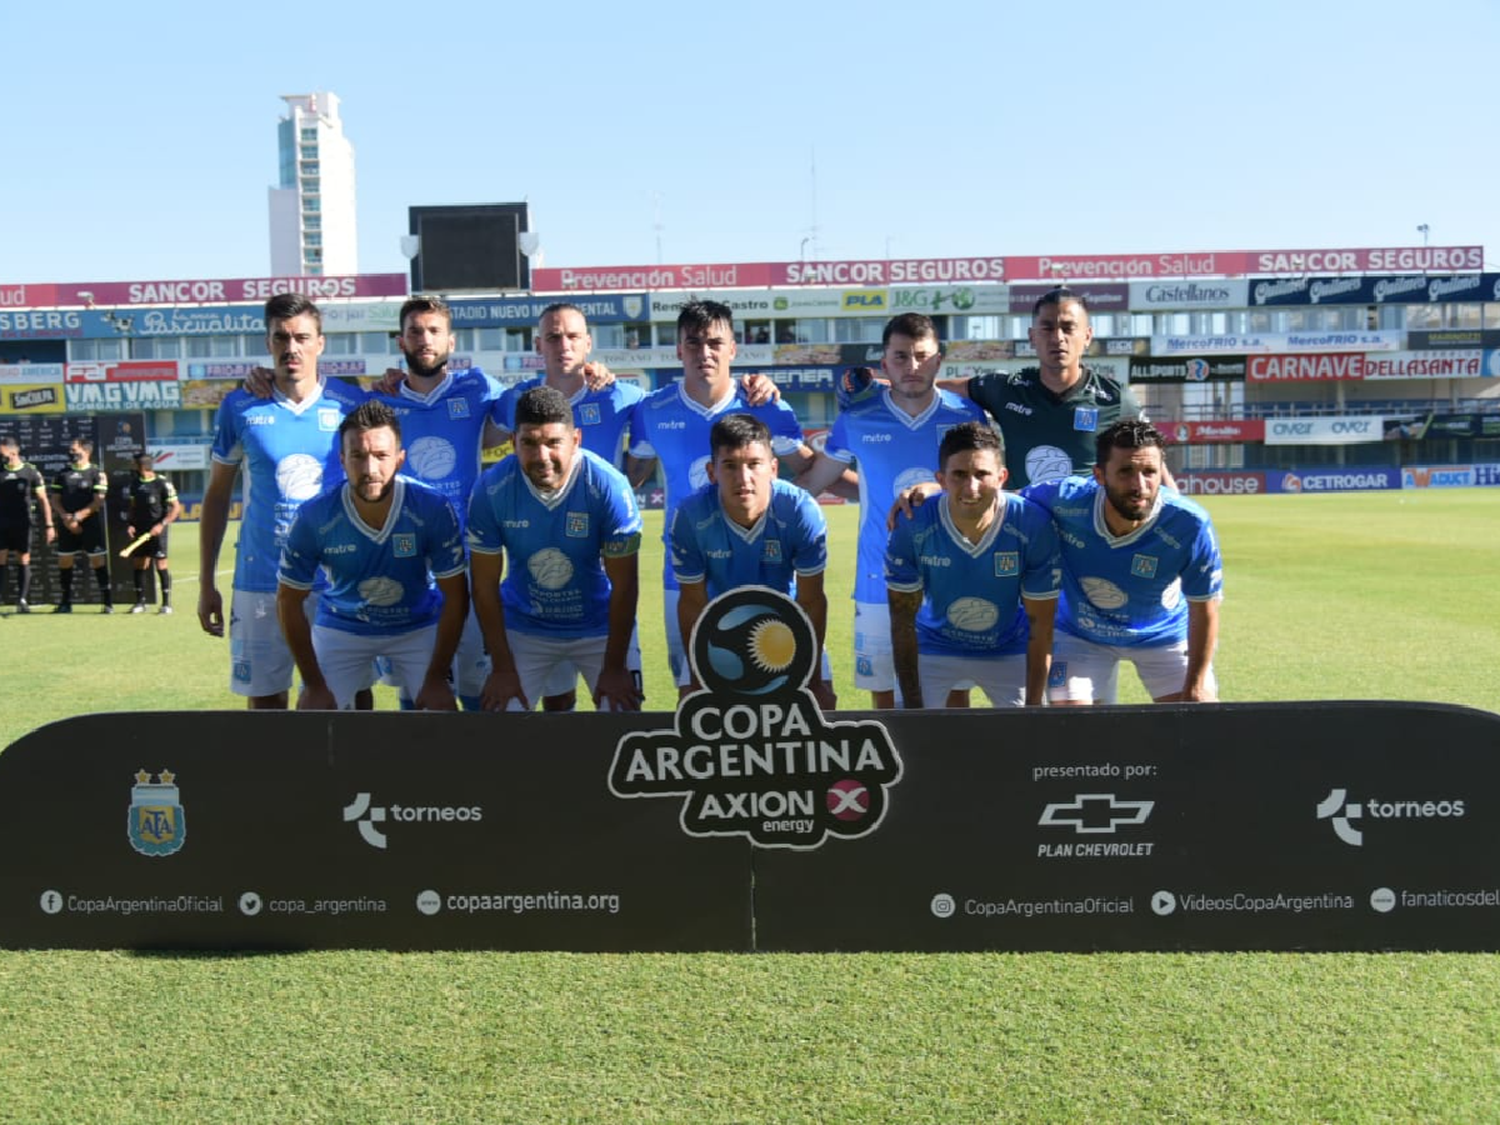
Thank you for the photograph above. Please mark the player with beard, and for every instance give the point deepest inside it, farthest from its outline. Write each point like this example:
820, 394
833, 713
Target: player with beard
21, 488
1142, 576
393, 553
567, 523
448, 417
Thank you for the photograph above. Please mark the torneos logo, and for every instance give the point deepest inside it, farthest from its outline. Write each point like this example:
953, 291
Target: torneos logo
1341, 813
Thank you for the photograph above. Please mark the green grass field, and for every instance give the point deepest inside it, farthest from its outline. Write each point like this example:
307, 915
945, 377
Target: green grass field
1376, 596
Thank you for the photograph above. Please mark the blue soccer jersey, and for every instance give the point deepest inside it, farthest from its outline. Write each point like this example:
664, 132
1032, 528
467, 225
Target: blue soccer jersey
555, 543
789, 539
381, 581
671, 427
602, 416
443, 431
290, 453
1134, 589
971, 592
893, 451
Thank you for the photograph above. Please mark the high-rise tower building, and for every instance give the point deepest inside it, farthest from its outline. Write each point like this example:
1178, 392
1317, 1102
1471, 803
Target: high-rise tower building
312, 209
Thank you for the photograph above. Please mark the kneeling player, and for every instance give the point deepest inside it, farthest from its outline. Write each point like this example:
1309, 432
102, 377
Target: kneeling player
972, 582
394, 557
1141, 576
748, 528
568, 521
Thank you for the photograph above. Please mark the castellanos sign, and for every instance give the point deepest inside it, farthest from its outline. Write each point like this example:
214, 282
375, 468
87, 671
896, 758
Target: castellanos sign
752, 754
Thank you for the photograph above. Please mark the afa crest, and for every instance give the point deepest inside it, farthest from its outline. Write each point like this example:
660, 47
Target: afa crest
156, 823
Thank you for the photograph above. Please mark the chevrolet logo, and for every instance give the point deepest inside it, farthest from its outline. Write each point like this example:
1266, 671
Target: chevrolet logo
1096, 812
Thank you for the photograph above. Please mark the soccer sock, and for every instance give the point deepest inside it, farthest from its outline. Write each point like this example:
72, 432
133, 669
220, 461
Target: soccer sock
25, 580
164, 579
101, 576
65, 580
139, 577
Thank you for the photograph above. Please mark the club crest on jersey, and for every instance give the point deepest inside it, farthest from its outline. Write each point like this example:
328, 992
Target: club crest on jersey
1086, 418
404, 545
458, 408
771, 552
156, 823
588, 414
1143, 566
752, 754
1007, 563
329, 419
577, 525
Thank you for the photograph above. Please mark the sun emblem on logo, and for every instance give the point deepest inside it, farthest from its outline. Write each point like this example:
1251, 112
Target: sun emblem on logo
772, 646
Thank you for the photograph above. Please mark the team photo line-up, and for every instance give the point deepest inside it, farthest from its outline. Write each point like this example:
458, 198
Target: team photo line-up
1018, 533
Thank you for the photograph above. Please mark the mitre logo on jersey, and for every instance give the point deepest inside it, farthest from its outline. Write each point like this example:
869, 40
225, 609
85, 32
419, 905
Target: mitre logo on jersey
156, 823
752, 754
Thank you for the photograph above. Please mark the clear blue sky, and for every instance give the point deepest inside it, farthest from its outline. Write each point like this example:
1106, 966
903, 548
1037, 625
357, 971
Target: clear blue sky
140, 141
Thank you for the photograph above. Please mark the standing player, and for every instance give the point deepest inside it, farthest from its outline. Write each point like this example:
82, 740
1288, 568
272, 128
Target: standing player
672, 425
1051, 413
447, 419
746, 528
893, 436
78, 503
287, 444
973, 580
20, 486
1141, 576
153, 505
600, 413
393, 553
568, 521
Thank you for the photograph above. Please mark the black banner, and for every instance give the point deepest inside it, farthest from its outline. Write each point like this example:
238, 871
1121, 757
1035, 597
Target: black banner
1318, 826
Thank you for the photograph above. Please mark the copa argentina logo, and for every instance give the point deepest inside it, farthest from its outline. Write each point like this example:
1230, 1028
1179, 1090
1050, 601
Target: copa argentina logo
752, 754
156, 823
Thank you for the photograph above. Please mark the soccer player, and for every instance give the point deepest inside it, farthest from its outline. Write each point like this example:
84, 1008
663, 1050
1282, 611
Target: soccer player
393, 552
21, 486
569, 524
747, 528
973, 581
78, 504
287, 444
153, 505
600, 413
447, 418
672, 425
1141, 576
893, 436
1051, 413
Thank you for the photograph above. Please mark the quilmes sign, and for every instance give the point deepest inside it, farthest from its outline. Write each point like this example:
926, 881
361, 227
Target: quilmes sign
752, 754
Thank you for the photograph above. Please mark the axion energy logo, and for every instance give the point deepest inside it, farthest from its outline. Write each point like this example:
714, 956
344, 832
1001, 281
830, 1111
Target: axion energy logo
752, 755
1349, 818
